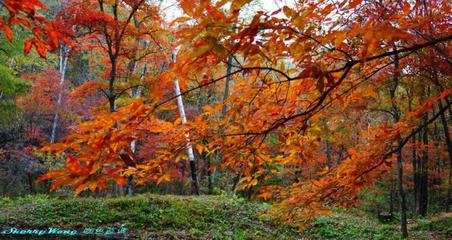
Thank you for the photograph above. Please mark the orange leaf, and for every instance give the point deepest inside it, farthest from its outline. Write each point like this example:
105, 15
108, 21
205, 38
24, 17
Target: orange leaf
92, 186
8, 32
354, 3
406, 7
81, 188
51, 174
27, 46
187, 7
237, 4
53, 37
180, 19
119, 180
289, 11
266, 195
40, 48
60, 182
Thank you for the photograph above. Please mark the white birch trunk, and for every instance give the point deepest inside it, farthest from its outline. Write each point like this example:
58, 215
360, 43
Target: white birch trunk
190, 153
180, 106
64, 51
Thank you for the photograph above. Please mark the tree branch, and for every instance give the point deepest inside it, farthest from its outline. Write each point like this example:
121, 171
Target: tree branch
405, 141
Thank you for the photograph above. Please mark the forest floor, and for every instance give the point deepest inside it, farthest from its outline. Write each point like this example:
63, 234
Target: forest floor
150, 216
433, 227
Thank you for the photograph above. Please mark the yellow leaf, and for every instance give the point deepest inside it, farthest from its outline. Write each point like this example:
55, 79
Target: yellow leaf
201, 50
164, 178
253, 182
208, 109
92, 186
200, 148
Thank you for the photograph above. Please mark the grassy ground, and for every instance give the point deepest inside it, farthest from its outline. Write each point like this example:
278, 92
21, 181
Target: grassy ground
355, 224
161, 217
204, 217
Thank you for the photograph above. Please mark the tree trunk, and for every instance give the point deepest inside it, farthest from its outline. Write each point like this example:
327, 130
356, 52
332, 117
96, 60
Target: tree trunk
391, 199
209, 175
235, 182
227, 86
414, 158
136, 93
421, 207
403, 222
415, 172
190, 153
224, 109
64, 51
396, 117
449, 150
329, 156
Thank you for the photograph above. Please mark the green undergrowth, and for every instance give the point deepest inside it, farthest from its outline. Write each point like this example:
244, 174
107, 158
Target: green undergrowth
150, 216
435, 227
357, 224
160, 216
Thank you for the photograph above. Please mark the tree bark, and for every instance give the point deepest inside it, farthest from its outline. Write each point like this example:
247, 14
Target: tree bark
414, 158
414, 161
391, 199
190, 153
329, 156
209, 175
449, 150
224, 109
422, 205
403, 222
64, 51
396, 117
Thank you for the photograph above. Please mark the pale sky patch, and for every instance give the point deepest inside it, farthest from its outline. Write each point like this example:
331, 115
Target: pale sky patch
171, 8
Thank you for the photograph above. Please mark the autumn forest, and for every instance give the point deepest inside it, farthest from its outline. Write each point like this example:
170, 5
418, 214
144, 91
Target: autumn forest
226, 119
